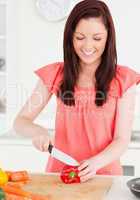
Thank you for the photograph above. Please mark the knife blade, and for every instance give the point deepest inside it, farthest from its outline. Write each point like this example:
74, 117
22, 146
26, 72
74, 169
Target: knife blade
63, 157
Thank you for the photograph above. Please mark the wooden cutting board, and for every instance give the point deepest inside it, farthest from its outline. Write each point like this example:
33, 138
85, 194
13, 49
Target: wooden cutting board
52, 187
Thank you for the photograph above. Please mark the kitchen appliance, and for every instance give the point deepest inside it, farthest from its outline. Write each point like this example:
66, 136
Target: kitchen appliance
134, 186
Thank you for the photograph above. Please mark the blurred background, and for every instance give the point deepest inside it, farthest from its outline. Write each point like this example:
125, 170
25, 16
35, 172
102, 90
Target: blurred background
31, 35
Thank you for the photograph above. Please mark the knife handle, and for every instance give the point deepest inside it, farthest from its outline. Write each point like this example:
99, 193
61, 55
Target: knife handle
50, 148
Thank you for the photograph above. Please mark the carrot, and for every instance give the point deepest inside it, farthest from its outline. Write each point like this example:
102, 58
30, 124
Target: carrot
15, 197
32, 197
15, 190
19, 176
18, 184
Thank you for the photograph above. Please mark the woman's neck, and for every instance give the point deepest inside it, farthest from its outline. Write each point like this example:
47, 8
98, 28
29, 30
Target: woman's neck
86, 77
89, 69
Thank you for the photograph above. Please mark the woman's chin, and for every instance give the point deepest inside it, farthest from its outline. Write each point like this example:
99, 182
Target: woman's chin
88, 61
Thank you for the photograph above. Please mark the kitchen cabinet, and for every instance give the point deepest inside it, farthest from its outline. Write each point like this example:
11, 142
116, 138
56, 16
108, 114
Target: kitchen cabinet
131, 159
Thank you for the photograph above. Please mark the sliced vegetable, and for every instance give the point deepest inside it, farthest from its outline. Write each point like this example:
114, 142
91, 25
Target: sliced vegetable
15, 190
18, 184
11, 188
3, 177
69, 174
15, 197
2, 194
32, 197
19, 176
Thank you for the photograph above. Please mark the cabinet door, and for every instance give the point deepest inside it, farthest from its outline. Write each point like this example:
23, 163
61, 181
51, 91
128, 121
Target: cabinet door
131, 158
20, 157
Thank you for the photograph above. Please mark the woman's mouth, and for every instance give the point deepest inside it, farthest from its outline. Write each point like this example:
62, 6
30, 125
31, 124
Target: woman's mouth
88, 53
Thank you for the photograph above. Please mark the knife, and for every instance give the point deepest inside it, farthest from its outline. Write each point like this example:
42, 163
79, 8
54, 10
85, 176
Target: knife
63, 157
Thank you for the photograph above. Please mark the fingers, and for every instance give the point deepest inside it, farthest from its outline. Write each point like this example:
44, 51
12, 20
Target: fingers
52, 140
84, 172
45, 146
87, 177
44, 143
87, 170
41, 143
83, 165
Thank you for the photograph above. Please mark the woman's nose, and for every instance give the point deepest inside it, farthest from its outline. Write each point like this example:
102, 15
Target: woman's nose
88, 45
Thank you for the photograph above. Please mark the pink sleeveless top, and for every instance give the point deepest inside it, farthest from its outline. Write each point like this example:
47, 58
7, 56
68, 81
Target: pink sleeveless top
84, 130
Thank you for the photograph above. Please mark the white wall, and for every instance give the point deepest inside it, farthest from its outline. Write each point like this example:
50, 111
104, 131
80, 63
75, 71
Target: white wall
126, 17
40, 42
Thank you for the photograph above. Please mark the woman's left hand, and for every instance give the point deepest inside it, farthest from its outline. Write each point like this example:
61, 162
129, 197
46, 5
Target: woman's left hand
88, 169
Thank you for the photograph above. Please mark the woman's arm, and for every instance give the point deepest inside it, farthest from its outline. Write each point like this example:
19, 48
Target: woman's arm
24, 125
122, 135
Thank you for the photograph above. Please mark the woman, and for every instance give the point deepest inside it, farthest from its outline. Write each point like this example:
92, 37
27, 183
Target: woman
95, 96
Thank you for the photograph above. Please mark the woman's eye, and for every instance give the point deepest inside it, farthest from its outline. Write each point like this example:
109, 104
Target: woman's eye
78, 38
97, 39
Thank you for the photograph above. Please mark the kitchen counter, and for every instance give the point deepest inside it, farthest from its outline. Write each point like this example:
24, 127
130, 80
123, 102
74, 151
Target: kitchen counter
119, 189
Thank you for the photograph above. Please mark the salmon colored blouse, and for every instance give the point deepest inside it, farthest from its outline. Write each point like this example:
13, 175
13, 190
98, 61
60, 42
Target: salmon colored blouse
84, 130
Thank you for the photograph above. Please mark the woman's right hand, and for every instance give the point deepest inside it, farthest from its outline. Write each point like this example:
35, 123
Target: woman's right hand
41, 142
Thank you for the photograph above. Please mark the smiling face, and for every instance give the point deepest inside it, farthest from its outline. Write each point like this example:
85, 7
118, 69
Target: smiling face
89, 40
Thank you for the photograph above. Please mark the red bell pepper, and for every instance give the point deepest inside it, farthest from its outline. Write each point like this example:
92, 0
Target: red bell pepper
69, 174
